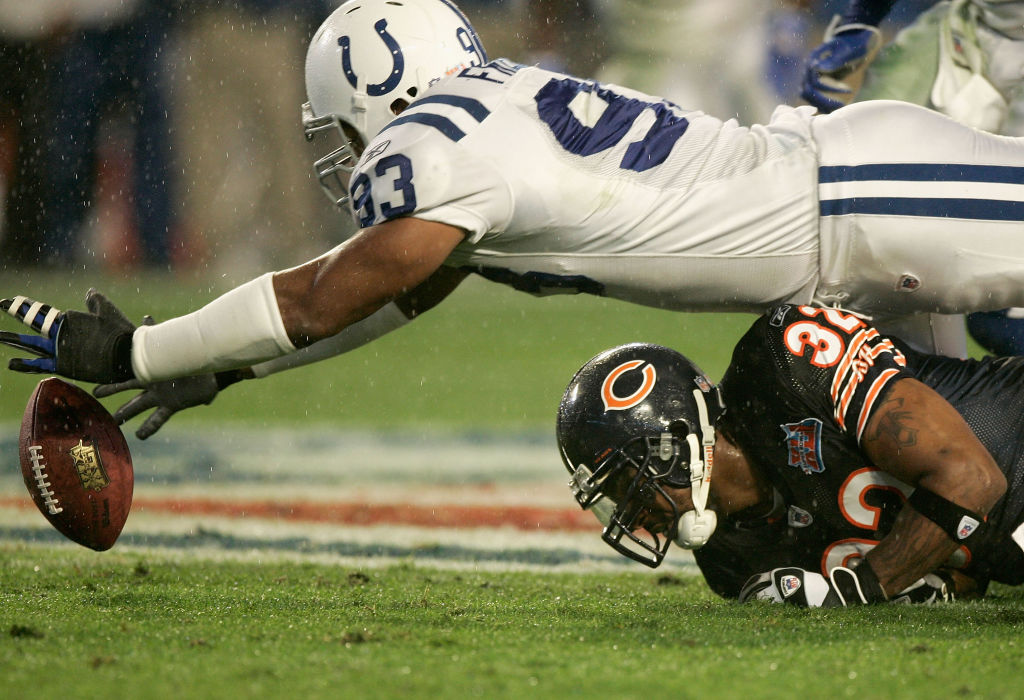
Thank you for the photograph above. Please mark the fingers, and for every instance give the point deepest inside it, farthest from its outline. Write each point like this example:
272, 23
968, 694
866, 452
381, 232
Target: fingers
754, 587
143, 402
104, 308
44, 365
816, 89
101, 391
154, 422
40, 317
34, 344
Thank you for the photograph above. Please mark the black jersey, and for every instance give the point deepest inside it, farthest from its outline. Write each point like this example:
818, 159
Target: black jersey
801, 387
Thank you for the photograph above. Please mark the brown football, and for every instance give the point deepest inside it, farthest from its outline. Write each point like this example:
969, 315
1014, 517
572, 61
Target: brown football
76, 464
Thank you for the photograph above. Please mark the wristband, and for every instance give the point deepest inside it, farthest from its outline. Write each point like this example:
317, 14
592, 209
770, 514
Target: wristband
237, 329
963, 526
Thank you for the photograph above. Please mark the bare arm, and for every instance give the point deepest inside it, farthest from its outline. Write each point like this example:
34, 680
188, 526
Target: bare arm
399, 260
918, 437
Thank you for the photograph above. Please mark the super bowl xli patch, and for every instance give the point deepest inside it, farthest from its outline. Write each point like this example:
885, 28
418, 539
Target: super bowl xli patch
803, 444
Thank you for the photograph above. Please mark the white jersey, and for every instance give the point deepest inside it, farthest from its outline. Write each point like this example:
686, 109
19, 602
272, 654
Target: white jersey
566, 185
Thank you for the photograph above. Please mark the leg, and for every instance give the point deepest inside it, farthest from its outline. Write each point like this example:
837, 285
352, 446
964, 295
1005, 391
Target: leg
918, 212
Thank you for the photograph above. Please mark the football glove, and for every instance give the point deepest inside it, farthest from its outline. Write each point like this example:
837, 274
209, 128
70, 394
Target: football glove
91, 347
807, 589
927, 590
835, 69
167, 397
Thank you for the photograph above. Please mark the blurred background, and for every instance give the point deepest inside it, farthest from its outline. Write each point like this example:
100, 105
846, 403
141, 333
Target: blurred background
165, 134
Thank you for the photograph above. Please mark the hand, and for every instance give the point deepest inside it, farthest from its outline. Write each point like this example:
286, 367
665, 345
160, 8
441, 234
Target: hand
835, 69
91, 347
927, 590
166, 397
807, 589
791, 585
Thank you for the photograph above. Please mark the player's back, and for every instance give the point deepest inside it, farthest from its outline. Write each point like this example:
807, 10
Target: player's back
568, 185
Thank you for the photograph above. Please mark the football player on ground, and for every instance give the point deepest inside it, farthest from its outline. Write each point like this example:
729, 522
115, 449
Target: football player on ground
963, 58
455, 165
833, 465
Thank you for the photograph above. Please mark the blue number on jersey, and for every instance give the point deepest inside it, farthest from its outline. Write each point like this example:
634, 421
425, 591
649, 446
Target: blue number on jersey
362, 199
612, 126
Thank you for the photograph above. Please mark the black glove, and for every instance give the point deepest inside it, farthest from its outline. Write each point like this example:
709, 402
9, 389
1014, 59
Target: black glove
90, 347
167, 397
806, 589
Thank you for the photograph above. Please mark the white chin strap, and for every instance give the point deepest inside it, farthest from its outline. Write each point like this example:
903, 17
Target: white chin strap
696, 526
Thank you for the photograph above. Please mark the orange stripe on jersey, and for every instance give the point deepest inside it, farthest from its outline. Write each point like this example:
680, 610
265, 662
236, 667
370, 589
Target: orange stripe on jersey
854, 367
848, 359
869, 400
887, 346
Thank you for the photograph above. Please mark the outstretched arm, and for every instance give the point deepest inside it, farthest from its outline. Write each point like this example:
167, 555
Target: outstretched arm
168, 397
386, 319
383, 276
918, 437
272, 316
378, 265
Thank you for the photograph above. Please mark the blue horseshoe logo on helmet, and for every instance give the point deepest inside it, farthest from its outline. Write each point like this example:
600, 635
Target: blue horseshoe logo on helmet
397, 67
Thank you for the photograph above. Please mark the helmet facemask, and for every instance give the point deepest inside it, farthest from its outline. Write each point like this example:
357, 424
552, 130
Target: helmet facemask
334, 169
626, 489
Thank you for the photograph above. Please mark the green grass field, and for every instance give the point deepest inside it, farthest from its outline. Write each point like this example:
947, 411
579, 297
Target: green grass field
131, 623
129, 626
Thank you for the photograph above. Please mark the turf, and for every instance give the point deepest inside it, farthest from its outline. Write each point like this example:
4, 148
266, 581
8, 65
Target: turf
78, 625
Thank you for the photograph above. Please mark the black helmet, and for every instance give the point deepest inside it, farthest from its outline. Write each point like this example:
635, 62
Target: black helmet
633, 419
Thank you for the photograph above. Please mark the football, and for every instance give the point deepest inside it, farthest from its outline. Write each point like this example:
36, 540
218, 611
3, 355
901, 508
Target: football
76, 464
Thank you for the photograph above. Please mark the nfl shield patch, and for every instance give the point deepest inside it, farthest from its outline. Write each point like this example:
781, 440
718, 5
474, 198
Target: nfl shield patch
967, 526
798, 517
789, 584
803, 444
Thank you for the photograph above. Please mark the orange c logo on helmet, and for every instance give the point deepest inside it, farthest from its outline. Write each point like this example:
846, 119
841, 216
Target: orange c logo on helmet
612, 402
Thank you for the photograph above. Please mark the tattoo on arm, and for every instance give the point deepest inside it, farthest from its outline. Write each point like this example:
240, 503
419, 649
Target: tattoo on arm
894, 423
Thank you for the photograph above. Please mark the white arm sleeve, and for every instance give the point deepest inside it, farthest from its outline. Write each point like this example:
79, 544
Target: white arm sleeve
386, 319
237, 329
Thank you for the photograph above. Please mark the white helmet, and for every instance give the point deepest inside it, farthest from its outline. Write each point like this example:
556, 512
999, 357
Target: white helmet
368, 61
